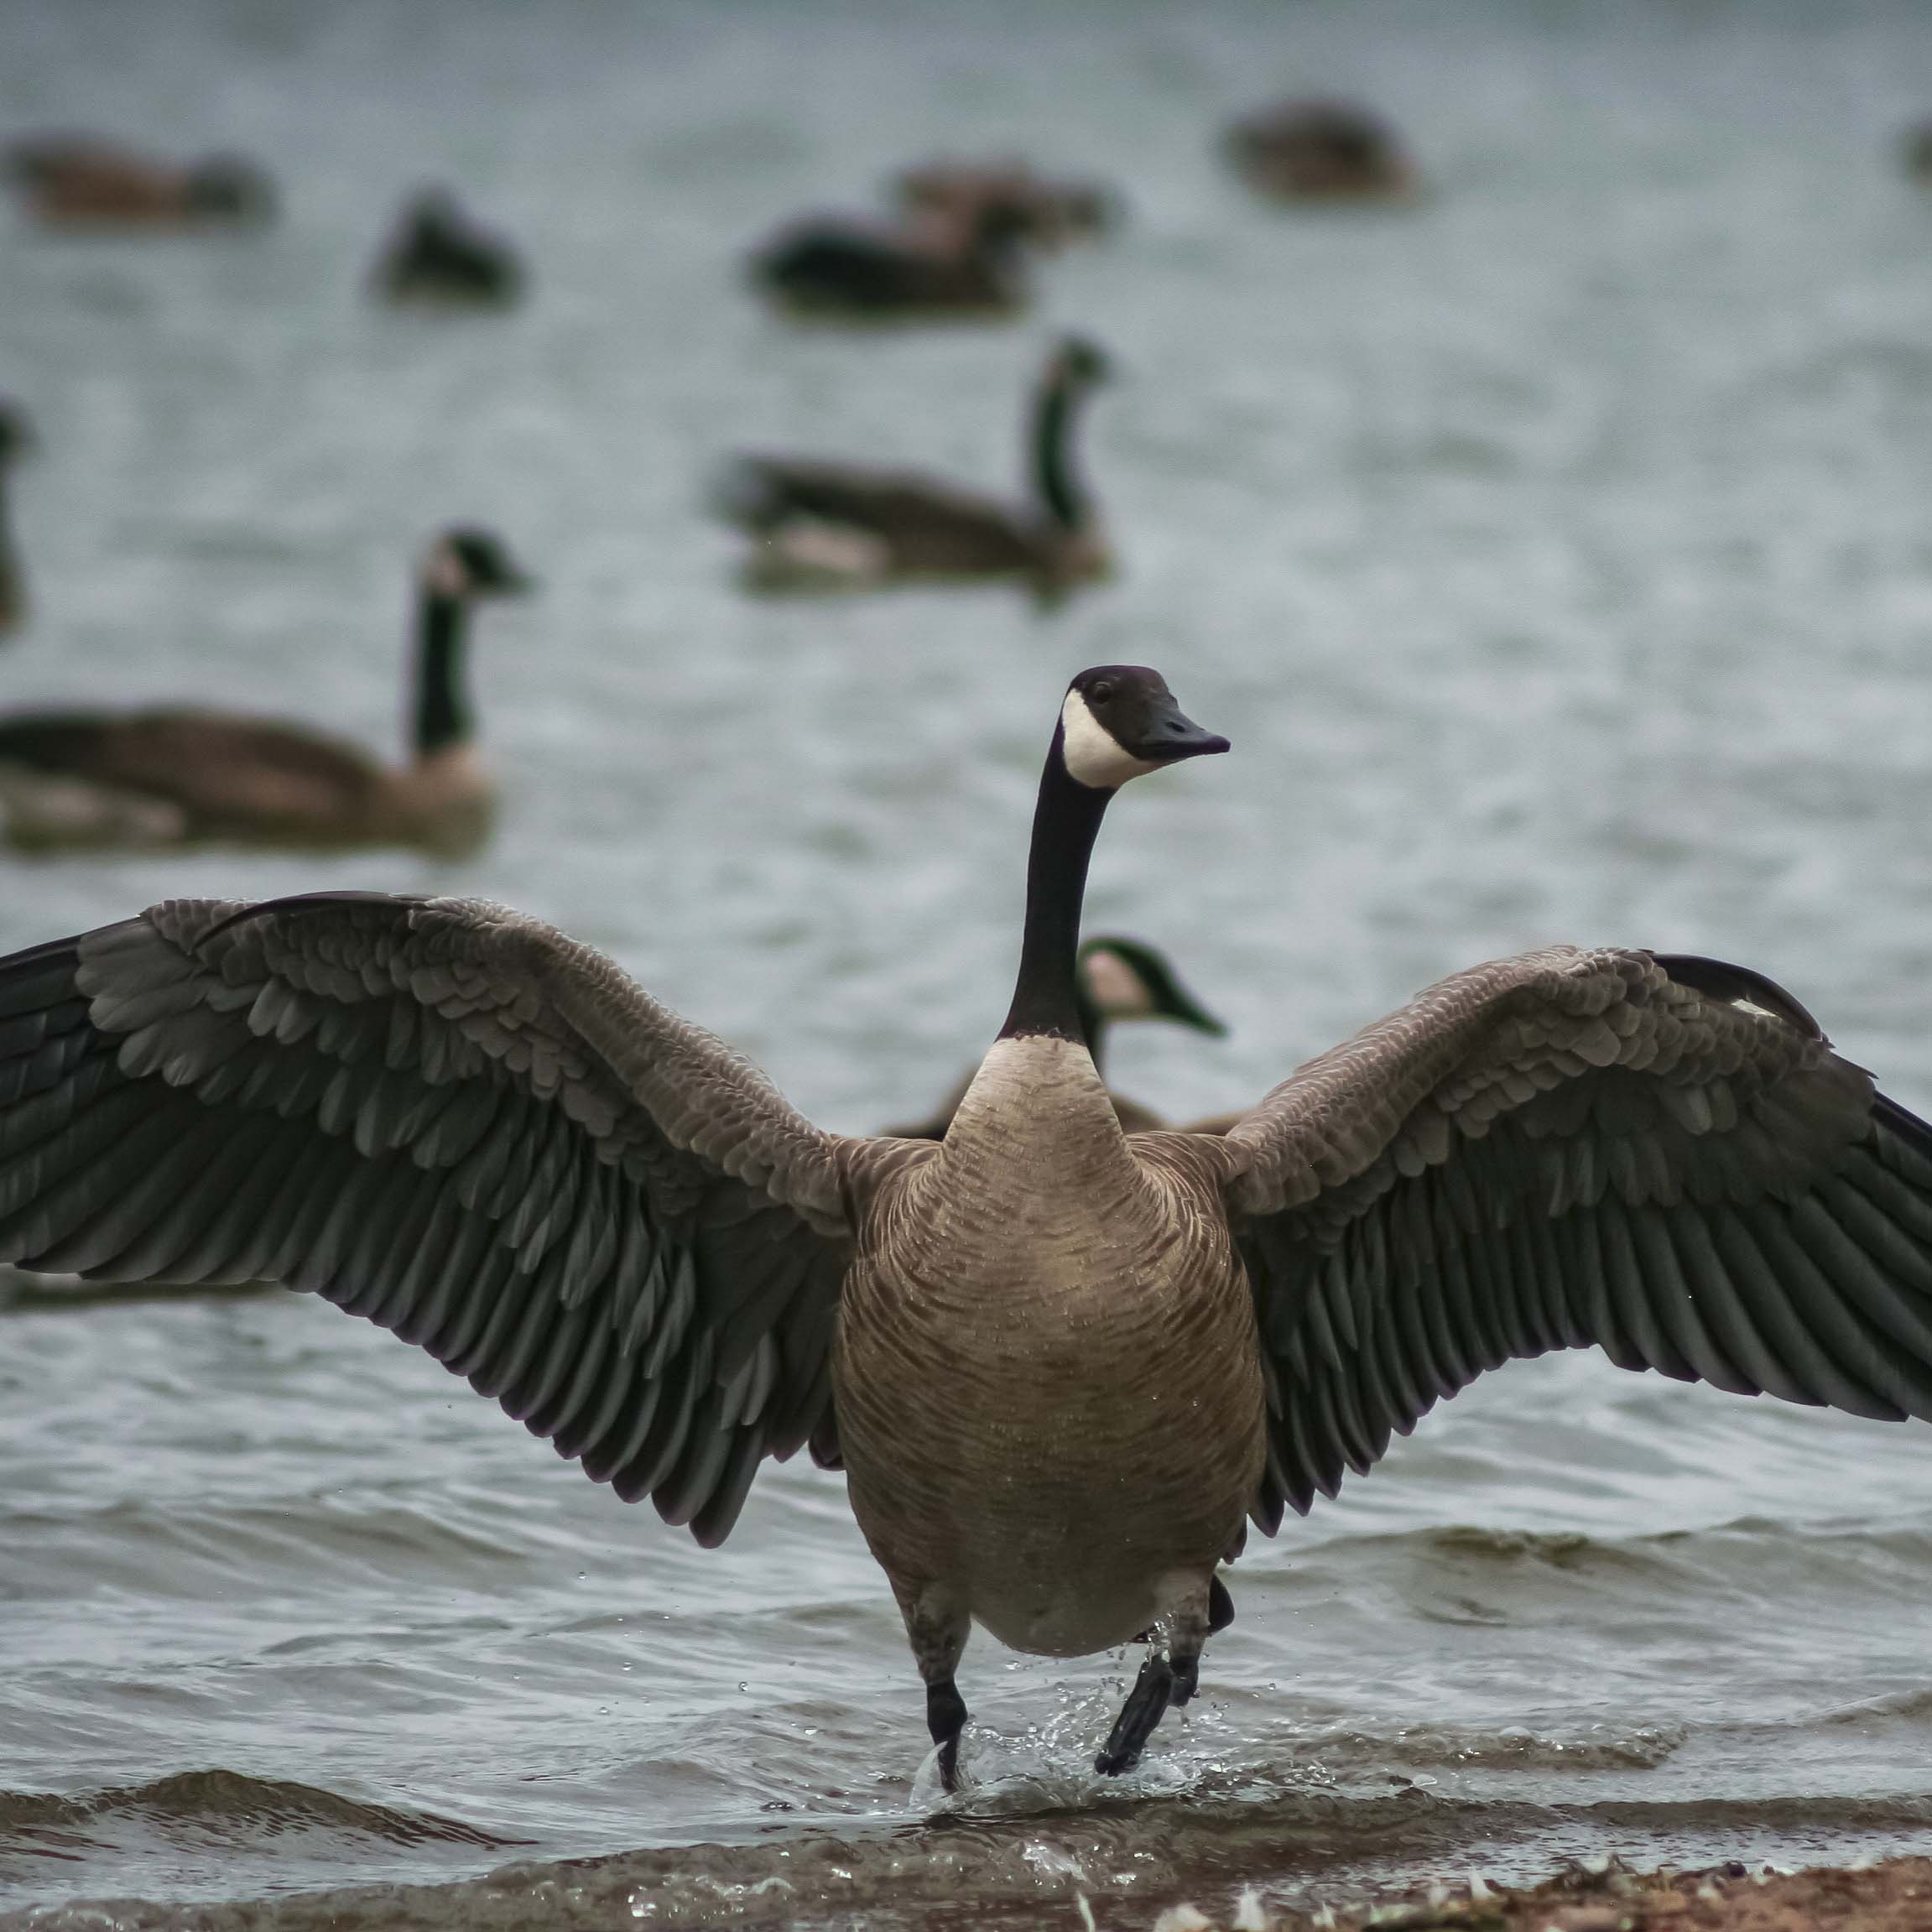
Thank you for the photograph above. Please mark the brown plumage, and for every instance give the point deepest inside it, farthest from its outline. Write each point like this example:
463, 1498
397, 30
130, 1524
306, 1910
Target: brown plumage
820, 526
175, 776
836, 267
1321, 151
1044, 212
75, 181
1060, 1364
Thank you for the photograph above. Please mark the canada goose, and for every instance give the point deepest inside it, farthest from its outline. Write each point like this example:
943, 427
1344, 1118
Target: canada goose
17, 440
73, 181
1061, 1365
168, 777
842, 266
1915, 150
437, 253
841, 526
1114, 979
1320, 150
1045, 213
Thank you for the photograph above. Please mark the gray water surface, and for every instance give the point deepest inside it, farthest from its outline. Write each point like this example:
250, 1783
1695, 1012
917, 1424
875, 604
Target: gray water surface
1557, 553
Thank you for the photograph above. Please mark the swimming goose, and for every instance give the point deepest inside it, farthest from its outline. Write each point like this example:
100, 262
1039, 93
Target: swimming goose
1061, 1365
822, 526
1114, 979
1045, 213
16, 442
73, 181
169, 776
1321, 151
438, 253
842, 267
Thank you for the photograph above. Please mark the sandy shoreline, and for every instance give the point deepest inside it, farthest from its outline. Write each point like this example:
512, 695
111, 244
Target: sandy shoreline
1894, 1895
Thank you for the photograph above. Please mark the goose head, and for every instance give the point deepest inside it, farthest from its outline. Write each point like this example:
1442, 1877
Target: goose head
467, 562
1077, 363
226, 188
1120, 722
1123, 979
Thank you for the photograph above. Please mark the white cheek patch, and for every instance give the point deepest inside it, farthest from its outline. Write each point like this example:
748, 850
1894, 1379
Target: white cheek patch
1091, 752
447, 577
1114, 986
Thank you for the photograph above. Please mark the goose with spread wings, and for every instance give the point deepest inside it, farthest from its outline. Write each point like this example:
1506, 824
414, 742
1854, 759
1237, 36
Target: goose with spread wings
1063, 1366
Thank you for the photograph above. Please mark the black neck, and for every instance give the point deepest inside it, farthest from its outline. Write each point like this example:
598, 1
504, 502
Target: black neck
1055, 476
1046, 996
442, 696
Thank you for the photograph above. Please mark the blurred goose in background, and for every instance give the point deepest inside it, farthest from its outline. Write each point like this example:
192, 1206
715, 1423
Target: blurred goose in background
1321, 151
842, 267
1114, 979
1043, 212
1915, 149
438, 254
73, 181
1063, 1367
169, 776
16, 439
820, 526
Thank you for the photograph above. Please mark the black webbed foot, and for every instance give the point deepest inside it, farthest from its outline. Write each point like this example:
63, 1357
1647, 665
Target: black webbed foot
1186, 1680
1145, 1702
945, 1718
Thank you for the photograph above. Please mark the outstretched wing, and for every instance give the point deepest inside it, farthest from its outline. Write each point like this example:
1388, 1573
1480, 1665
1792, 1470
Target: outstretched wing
1658, 1156
457, 1123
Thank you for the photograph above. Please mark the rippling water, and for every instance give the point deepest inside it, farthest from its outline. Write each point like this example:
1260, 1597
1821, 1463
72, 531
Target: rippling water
1557, 553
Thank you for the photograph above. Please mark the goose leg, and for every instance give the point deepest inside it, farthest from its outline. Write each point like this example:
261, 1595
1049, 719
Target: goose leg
1187, 1671
1168, 1676
937, 1632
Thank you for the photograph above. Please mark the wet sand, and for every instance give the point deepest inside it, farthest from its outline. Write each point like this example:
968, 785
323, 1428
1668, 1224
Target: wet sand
1895, 1896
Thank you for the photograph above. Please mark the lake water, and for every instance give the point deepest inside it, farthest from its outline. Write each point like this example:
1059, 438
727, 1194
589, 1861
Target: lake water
1558, 554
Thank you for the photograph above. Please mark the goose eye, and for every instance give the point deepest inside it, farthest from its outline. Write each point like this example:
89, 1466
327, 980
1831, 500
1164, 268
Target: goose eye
1101, 692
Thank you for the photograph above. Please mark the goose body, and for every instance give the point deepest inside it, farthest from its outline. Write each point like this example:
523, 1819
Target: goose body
821, 526
73, 181
1064, 1512
1044, 212
1062, 1365
179, 775
1116, 980
1321, 151
843, 268
439, 255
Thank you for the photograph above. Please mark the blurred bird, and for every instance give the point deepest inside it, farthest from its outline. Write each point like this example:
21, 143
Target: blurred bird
1320, 150
1114, 979
73, 181
16, 439
153, 778
437, 253
842, 266
1916, 149
839, 526
1045, 213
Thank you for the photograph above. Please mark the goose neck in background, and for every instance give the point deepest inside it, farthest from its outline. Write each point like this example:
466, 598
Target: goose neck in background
443, 716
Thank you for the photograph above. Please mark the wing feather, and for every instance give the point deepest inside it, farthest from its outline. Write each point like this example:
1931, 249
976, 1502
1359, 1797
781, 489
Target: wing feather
1658, 1156
456, 1123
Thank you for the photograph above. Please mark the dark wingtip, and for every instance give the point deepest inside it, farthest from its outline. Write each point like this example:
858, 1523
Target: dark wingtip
1717, 979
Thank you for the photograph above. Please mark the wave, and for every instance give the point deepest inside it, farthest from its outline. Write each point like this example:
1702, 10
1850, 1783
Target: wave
215, 1804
